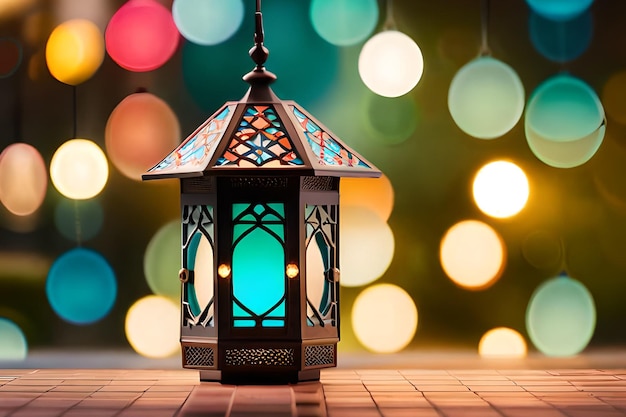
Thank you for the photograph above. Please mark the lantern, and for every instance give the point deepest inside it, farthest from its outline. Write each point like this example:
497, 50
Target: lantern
260, 236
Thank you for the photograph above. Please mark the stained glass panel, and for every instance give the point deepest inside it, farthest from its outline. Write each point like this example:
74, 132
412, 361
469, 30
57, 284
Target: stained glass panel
328, 150
195, 152
258, 265
260, 140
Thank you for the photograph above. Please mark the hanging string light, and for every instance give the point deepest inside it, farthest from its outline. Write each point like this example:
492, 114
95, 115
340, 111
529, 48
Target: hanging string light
390, 63
486, 96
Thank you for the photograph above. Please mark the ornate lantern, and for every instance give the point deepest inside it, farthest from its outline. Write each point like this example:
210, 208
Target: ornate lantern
260, 236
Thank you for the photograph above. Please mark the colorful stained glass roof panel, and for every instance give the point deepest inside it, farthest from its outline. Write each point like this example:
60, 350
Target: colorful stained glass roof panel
260, 141
194, 153
328, 151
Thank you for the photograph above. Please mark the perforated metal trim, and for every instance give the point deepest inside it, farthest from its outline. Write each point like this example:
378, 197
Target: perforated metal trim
259, 357
317, 355
320, 183
198, 185
258, 182
199, 356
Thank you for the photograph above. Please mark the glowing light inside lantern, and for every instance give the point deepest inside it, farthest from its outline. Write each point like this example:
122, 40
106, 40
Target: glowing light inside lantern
153, 326
391, 64
502, 342
500, 189
472, 255
384, 318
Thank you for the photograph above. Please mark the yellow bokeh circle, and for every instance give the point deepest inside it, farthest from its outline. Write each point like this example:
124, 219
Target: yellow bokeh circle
79, 169
374, 193
500, 189
472, 255
367, 246
75, 51
384, 318
502, 342
153, 326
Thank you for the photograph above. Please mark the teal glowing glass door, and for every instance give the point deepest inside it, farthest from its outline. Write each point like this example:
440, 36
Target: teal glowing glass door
259, 283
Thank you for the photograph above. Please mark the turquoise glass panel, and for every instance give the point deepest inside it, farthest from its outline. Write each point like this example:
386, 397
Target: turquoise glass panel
244, 323
258, 264
273, 323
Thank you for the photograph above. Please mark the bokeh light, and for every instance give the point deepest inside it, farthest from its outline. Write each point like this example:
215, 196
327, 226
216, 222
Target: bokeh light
502, 342
79, 220
561, 317
384, 318
565, 122
561, 41
367, 246
559, 9
74, 51
14, 346
161, 261
376, 194
81, 286
79, 169
12, 8
286, 25
472, 255
23, 179
344, 22
543, 250
500, 189
207, 22
486, 98
141, 35
614, 97
11, 53
140, 131
153, 327
391, 63
390, 120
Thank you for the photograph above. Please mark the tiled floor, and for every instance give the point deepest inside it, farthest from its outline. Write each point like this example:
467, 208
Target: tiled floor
340, 392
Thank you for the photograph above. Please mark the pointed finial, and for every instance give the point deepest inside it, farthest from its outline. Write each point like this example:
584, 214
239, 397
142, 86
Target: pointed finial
259, 53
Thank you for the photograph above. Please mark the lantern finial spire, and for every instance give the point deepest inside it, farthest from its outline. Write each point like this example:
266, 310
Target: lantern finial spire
259, 53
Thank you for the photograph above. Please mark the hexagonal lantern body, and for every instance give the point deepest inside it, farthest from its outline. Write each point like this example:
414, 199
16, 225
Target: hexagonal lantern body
260, 238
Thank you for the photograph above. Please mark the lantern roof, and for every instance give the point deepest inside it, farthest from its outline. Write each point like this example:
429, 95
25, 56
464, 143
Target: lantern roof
262, 135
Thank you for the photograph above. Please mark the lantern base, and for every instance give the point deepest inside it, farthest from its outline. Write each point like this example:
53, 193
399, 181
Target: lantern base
260, 378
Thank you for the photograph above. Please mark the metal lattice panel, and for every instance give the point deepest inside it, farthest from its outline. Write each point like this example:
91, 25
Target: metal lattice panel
259, 357
199, 356
320, 183
259, 182
319, 355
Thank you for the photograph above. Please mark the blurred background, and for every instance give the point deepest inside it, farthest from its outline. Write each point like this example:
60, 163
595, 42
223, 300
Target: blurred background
434, 254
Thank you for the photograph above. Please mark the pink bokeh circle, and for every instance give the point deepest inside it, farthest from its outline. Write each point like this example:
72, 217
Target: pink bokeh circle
141, 130
141, 35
